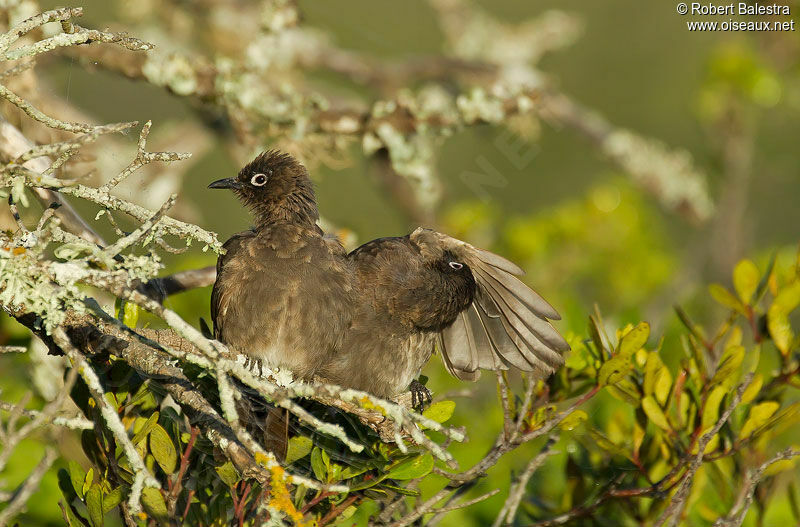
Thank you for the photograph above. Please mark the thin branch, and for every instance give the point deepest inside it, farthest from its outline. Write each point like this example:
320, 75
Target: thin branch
31, 484
142, 476
509, 510
14, 144
745, 498
672, 512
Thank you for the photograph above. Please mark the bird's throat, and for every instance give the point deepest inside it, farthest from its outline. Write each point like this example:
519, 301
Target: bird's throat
297, 209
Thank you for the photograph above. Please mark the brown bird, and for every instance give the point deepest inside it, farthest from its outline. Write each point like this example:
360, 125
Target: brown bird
292, 297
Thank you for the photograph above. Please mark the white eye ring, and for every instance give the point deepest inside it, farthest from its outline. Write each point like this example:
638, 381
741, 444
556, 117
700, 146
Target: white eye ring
258, 180
456, 265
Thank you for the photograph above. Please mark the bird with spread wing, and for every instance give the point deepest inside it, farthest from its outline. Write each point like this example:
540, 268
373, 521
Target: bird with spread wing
292, 297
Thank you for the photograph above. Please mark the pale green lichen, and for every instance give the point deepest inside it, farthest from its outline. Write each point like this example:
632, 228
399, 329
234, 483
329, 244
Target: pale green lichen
669, 174
24, 285
412, 157
172, 70
478, 105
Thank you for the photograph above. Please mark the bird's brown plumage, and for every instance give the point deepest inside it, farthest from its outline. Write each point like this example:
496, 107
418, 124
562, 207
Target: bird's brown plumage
292, 297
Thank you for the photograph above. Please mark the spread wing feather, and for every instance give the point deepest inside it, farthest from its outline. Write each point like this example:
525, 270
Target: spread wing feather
505, 326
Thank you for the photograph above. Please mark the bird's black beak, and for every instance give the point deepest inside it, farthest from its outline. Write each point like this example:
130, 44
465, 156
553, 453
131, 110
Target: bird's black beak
230, 182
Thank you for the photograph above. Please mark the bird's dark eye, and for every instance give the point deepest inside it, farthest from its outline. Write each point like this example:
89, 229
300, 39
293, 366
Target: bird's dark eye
456, 265
259, 180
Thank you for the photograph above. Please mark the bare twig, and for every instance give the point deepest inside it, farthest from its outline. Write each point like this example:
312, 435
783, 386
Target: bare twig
509, 510
20, 497
672, 512
745, 498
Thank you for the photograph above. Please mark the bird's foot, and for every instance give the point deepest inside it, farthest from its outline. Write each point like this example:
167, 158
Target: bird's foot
420, 395
251, 363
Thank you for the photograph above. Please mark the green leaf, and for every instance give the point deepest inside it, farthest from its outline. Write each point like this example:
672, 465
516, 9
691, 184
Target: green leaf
87, 481
77, 476
654, 413
745, 280
317, 464
634, 339
351, 472
725, 298
617, 367
228, 474
154, 504
711, 408
72, 517
780, 466
626, 391
163, 449
614, 370
440, 411
752, 390
94, 503
130, 314
142, 433
573, 420
651, 367
663, 385
758, 416
595, 333
112, 499
729, 366
778, 316
412, 468
299, 447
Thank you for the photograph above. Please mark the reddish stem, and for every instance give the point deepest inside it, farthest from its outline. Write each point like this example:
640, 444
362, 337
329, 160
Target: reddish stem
188, 503
318, 498
174, 491
336, 511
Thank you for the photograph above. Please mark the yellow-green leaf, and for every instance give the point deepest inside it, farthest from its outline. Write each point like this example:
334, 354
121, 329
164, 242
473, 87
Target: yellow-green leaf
614, 370
130, 314
412, 468
87, 481
144, 428
729, 366
634, 339
725, 297
651, 366
112, 499
753, 388
77, 477
573, 420
299, 447
711, 408
317, 464
663, 385
758, 416
655, 413
778, 316
94, 503
72, 519
154, 503
745, 280
595, 333
440, 411
626, 391
781, 466
163, 449
228, 474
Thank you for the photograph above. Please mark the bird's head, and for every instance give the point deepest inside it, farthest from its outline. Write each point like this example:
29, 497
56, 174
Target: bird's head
449, 258
276, 187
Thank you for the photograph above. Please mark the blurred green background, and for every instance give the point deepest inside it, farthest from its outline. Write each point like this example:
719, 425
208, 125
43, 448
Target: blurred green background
584, 233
